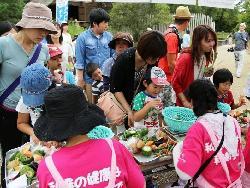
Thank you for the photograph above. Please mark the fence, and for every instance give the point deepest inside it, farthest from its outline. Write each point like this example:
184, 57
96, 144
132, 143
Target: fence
198, 19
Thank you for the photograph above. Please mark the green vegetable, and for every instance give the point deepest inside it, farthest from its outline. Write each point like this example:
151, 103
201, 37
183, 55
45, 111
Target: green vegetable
145, 138
132, 132
128, 133
24, 159
146, 150
39, 152
28, 171
13, 157
143, 132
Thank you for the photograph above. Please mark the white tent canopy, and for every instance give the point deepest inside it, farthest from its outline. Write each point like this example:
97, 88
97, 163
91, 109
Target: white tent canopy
209, 3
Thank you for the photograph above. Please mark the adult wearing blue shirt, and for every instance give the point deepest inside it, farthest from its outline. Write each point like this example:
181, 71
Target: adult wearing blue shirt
92, 46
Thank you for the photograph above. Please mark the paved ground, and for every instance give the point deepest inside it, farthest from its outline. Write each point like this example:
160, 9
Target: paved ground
226, 60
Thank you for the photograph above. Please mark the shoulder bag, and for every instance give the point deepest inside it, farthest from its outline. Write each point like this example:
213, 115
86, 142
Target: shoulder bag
16, 82
191, 182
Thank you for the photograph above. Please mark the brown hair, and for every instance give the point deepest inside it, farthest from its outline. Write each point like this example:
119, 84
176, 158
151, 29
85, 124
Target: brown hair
151, 44
200, 32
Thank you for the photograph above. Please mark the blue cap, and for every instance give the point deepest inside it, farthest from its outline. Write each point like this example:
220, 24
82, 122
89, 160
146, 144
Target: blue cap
35, 81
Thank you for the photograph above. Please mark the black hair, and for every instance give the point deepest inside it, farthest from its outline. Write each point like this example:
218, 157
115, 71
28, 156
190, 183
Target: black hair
221, 76
187, 31
49, 40
179, 21
151, 44
63, 24
6, 26
204, 96
97, 16
91, 68
147, 76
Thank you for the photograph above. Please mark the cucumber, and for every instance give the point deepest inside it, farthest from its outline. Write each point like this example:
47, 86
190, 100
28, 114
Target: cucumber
146, 150
132, 132
28, 171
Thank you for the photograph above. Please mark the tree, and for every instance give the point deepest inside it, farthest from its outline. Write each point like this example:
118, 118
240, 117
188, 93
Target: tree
136, 18
11, 10
245, 15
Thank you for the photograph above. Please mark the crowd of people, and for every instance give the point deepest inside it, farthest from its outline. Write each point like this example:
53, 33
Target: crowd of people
43, 97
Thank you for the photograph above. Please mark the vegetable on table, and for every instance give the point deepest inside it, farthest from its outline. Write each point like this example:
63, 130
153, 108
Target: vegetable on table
146, 150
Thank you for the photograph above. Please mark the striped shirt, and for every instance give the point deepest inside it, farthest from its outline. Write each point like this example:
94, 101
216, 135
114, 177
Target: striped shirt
97, 87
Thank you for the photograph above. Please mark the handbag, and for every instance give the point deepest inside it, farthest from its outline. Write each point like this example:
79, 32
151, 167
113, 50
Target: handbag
16, 82
190, 183
113, 110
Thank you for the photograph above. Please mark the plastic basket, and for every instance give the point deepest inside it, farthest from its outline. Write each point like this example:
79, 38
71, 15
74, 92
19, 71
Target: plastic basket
224, 107
178, 119
7, 157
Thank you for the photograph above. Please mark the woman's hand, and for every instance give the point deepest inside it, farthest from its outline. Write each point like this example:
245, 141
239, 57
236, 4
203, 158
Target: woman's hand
130, 119
35, 139
81, 84
187, 104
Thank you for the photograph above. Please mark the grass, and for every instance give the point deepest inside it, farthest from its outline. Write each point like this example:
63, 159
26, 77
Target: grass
222, 35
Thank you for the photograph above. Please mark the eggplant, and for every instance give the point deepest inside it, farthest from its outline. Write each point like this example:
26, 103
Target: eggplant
159, 142
34, 165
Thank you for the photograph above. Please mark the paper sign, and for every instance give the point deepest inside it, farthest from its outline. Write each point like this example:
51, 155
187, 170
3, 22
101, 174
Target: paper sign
61, 11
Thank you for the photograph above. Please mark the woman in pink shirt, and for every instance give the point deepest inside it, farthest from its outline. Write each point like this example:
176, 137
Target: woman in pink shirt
204, 137
81, 162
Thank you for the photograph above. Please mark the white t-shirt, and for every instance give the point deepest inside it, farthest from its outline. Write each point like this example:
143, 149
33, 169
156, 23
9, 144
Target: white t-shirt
67, 38
22, 108
186, 41
67, 52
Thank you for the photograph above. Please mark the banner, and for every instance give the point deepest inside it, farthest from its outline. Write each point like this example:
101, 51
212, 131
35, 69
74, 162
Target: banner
62, 11
217, 3
181, 2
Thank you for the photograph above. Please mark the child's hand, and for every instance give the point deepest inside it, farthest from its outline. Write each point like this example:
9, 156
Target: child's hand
58, 76
242, 100
49, 144
154, 103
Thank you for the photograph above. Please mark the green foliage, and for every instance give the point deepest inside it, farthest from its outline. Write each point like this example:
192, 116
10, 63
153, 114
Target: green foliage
225, 19
222, 35
11, 10
245, 16
74, 29
137, 17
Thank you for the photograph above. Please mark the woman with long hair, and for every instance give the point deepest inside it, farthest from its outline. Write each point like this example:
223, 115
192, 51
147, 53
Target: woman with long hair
193, 63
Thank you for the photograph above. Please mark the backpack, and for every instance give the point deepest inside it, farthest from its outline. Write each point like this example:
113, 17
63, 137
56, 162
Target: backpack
173, 29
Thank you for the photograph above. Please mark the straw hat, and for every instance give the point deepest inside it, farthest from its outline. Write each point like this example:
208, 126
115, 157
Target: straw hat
37, 15
182, 13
